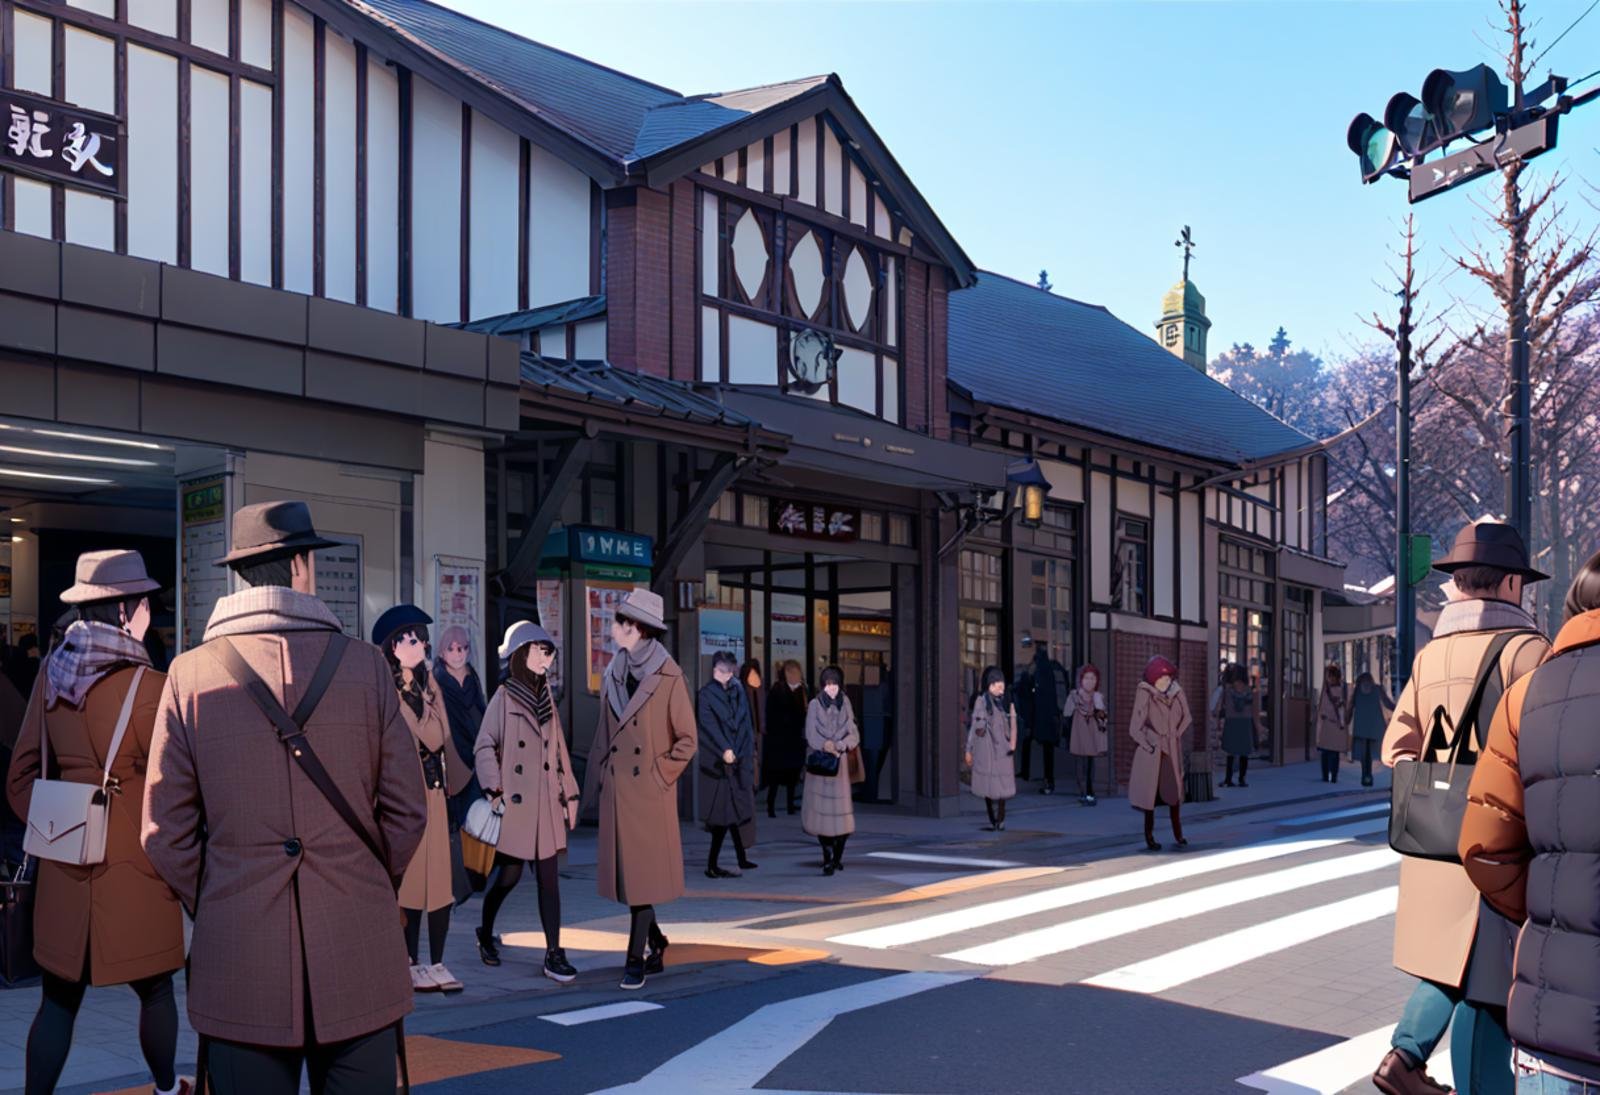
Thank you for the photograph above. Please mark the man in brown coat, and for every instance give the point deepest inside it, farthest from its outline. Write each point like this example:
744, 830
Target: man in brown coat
1444, 935
297, 956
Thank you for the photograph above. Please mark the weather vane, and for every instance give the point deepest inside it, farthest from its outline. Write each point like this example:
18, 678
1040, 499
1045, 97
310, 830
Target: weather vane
1185, 240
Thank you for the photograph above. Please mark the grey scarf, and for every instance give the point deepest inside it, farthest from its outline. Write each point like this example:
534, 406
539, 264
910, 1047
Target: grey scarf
90, 650
645, 660
1481, 615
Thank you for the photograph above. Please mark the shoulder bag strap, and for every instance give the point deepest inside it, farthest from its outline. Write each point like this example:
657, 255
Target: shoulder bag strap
1469, 715
291, 728
122, 727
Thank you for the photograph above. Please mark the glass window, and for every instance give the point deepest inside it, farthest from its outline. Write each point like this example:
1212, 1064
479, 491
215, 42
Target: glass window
980, 577
872, 527
900, 530
1050, 600
980, 648
755, 511
1131, 580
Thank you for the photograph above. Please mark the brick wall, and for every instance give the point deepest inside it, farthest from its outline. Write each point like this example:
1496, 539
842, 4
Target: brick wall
621, 247
639, 228
1131, 653
916, 322
685, 246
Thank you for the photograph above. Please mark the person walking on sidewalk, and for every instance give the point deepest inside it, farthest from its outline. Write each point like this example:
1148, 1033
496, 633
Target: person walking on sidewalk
783, 748
93, 712
991, 740
1458, 947
1086, 708
755, 698
465, 704
727, 762
1046, 685
1333, 722
646, 738
294, 828
1370, 708
828, 812
1530, 817
425, 890
523, 763
1160, 719
1238, 707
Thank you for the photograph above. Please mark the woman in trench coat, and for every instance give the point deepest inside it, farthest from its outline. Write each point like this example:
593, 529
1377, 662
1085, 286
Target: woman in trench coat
828, 813
727, 762
645, 740
522, 761
427, 886
115, 922
1333, 722
1160, 718
1086, 709
991, 743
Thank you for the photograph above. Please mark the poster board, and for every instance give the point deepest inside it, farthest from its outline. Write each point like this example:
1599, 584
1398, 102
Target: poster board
458, 602
600, 603
788, 628
203, 512
552, 617
339, 581
721, 629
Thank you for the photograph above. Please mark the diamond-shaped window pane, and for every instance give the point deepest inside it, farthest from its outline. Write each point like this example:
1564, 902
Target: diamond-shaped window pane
858, 289
805, 266
749, 254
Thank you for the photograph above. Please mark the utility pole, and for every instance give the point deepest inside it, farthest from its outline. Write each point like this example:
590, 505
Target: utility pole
1405, 597
1519, 500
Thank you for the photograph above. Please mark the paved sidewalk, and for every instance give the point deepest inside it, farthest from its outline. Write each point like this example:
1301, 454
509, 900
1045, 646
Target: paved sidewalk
705, 923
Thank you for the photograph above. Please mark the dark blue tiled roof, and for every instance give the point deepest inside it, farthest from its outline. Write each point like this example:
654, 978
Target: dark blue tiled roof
1014, 345
534, 319
638, 392
600, 105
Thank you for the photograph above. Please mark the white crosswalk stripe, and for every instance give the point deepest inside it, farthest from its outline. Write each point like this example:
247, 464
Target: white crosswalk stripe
1329, 1071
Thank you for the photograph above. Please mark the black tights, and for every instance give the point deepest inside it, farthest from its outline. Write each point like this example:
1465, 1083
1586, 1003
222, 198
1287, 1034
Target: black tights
1150, 824
51, 1036
718, 833
643, 929
1244, 766
832, 848
772, 795
438, 928
1086, 778
996, 808
508, 872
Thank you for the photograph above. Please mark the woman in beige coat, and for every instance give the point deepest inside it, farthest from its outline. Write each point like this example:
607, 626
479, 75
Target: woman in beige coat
827, 812
523, 762
1086, 711
402, 634
115, 922
991, 743
1333, 722
1160, 718
646, 738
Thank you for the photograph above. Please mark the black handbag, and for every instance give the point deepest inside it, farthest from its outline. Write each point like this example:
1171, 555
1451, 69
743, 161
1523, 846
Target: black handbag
16, 927
822, 763
1428, 796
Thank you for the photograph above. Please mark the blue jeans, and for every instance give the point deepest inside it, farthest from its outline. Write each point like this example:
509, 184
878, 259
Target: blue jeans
1480, 1048
1533, 1080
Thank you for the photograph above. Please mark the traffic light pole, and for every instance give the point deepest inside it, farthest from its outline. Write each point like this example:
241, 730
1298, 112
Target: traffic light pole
1405, 604
1519, 492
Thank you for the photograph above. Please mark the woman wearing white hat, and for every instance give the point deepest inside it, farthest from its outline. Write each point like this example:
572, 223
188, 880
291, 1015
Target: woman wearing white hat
647, 737
523, 762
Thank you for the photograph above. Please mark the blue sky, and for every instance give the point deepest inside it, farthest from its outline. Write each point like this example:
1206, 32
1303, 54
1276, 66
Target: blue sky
1079, 137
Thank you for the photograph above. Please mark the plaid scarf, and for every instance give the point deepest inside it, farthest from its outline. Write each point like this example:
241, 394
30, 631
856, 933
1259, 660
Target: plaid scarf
88, 651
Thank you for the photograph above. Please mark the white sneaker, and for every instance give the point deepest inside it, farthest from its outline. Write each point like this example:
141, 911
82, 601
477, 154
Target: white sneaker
444, 978
422, 981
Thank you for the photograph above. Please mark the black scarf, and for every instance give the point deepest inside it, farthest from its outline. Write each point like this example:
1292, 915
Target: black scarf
463, 701
532, 690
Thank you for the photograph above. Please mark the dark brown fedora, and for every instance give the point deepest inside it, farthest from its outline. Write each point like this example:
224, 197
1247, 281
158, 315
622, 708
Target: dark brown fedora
1490, 544
269, 530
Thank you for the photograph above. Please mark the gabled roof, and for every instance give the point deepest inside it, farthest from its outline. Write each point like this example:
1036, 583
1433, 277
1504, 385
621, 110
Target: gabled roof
1017, 346
602, 382
534, 319
670, 125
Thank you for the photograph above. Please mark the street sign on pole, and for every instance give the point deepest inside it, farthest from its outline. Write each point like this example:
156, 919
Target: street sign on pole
1419, 559
1523, 143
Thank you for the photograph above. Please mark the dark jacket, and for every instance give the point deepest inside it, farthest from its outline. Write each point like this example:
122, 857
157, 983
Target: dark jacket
727, 791
464, 704
1530, 842
783, 753
1045, 686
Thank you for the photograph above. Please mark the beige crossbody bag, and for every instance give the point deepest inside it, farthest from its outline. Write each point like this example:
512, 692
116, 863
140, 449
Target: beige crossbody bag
67, 820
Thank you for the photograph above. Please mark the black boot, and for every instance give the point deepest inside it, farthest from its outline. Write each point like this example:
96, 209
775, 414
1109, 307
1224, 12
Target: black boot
633, 974
1150, 831
656, 960
488, 948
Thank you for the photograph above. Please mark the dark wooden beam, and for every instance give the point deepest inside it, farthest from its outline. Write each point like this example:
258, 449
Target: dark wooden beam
692, 521
569, 465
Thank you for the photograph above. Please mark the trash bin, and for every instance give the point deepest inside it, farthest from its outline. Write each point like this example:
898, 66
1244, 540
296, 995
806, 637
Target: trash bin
1197, 782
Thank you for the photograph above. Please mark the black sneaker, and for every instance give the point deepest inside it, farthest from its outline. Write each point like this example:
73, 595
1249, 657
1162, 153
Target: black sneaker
633, 974
746, 865
488, 947
556, 966
828, 868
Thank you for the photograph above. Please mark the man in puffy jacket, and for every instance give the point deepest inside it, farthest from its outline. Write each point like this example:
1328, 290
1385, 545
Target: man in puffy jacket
1531, 844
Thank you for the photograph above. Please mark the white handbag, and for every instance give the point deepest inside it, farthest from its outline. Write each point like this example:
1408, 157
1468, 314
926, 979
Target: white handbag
482, 822
67, 820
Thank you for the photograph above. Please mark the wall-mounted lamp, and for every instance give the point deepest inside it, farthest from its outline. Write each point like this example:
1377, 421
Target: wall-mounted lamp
1028, 486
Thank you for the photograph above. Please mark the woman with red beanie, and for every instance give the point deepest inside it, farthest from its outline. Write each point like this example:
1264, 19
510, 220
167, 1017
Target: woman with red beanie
1160, 718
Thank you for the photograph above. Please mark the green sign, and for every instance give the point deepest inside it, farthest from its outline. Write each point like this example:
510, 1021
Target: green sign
1419, 558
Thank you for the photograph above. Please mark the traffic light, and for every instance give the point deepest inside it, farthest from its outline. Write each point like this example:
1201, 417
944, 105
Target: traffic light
1460, 103
1412, 125
1377, 147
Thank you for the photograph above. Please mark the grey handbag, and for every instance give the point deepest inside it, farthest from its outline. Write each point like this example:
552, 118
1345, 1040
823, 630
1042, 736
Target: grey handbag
67, 820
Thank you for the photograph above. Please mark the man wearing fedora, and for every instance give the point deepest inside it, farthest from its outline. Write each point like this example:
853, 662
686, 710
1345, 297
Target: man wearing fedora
284, 803
646, 739
1459, 947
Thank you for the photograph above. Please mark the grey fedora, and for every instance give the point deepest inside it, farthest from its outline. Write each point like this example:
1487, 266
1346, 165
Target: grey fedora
643, 606
270, 530
107, 576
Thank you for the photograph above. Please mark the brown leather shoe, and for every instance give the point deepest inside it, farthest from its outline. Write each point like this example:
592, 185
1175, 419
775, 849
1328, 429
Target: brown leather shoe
1397, 1076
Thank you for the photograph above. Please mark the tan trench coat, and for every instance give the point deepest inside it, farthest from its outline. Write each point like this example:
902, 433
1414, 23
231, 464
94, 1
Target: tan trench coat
426, 884
1157, 728
1437, 917
1333, 718
291, 903
119, 911
530, 766
1088, 735
634, 765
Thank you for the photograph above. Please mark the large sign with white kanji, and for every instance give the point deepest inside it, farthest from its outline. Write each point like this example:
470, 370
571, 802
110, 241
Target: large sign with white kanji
60, 143
813, 520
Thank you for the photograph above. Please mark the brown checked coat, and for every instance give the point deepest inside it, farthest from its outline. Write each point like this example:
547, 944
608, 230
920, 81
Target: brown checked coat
633, 770
289, 904
1157, 728
118, 914
529, 765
